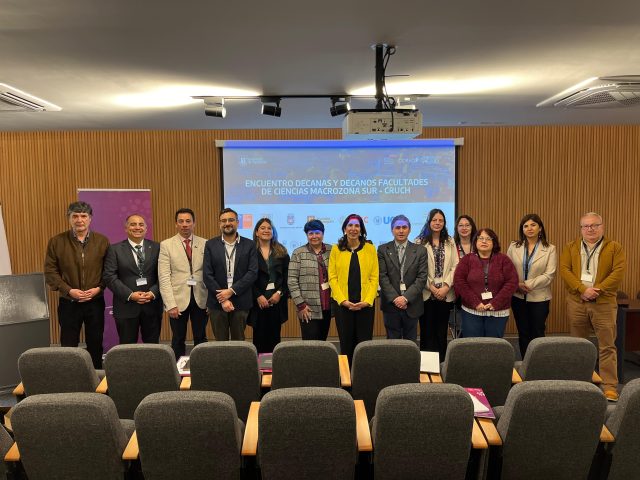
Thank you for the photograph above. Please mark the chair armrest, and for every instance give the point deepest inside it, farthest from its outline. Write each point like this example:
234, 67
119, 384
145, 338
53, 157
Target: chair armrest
606, 436
490, 431
424, 378
131, 452
345, 374
477, 438
102, 386
266, 380
185, 383
19, 390
435, 378
595, 378
363, 433
13, 455
515, 377
250, 441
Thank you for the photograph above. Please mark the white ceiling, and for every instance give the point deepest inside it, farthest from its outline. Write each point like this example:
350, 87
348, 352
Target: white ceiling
82, 54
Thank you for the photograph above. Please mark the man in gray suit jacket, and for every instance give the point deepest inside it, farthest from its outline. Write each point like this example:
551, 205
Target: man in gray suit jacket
403, 276
131, 273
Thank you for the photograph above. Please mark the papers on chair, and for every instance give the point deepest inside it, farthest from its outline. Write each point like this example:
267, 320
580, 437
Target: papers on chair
265, 362
184, 369
429, 362
481, 407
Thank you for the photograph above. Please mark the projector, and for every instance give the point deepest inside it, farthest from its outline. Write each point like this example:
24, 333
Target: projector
385, 125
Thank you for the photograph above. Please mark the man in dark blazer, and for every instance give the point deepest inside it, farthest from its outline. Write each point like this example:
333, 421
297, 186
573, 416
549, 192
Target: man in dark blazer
230, 269
403, 276
131, 273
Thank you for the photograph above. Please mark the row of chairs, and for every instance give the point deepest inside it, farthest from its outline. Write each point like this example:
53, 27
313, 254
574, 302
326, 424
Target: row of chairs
547, 429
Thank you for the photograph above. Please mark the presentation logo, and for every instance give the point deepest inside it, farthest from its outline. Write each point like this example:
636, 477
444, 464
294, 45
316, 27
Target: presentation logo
246, 220
291, 219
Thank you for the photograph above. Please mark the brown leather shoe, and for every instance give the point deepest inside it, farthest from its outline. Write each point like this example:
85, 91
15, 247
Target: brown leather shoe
611, 395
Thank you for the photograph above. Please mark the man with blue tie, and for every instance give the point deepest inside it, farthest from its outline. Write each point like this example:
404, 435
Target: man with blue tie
131, 273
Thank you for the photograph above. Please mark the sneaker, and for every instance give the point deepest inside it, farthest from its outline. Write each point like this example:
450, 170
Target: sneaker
611, 395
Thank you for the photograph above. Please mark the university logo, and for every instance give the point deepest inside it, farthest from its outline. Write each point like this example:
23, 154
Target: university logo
291, 219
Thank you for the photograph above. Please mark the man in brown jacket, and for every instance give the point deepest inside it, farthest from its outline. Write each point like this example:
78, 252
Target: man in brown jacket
592, 268
73, 266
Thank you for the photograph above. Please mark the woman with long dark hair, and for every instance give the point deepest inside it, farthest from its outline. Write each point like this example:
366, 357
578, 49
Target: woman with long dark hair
536, 262
353, 277
270, 290
438, 294
464, 232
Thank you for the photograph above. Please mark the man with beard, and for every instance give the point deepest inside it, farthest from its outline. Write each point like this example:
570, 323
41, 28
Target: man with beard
230, 268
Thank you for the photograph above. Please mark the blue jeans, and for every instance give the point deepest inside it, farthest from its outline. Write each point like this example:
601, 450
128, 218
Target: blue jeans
479, 326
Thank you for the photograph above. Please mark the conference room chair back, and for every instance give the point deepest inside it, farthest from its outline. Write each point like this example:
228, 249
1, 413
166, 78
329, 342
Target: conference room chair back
485, 363
381, 363
622, 457
194, 435
228, 367
5, 444
549, 429
57, 370
305, 363
307, 432
558, 358
422, 431
137, 370
71, 436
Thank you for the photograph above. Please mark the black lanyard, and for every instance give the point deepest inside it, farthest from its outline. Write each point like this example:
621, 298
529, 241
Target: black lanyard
485, 269
527, 259
184, 247
401, 260
590, 256
230, 256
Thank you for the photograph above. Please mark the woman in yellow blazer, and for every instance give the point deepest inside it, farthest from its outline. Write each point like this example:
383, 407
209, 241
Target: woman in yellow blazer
353, 277
536, 262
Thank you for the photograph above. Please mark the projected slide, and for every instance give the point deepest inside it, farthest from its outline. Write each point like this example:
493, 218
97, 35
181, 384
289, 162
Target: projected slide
294, 182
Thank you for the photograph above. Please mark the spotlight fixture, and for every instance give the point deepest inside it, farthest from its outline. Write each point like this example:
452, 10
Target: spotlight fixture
271, 110
214, 107
341, 108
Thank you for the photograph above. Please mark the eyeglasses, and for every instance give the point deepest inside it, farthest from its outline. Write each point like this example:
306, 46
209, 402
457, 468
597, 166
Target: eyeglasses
228, 220
595, 226
485, 239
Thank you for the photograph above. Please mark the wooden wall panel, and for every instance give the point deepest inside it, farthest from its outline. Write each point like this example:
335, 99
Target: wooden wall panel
558, 172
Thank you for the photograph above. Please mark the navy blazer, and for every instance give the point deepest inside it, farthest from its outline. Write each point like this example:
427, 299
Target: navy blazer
120, 275
245, 272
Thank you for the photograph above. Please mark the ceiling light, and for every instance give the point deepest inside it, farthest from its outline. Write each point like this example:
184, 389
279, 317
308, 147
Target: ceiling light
271, 110
214, 107
339, 108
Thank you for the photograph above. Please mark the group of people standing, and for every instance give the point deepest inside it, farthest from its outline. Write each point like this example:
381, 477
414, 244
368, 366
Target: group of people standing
239, 281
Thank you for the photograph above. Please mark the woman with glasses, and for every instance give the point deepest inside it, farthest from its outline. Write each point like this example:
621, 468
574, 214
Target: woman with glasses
438, 294
536, 261
485, 280
270, 290
464, 232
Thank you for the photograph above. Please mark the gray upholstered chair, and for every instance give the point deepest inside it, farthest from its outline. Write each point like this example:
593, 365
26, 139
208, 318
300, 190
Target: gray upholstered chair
380, 363
485, 363
137, 370
70, 436
194, 435
622, 456
307, 432
422, 431
5, 444
549, 429
57, 370
228, 367
558, 358
305, 363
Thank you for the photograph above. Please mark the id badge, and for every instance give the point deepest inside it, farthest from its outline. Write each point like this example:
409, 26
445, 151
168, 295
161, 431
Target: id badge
324, 286
586, 277
437, 281
192, 282
403, 288
141, 281
229, 281
486, 295
271, 286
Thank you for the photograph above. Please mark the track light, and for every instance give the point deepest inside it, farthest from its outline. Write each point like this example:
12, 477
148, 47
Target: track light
214, 107
271, 110
339, 109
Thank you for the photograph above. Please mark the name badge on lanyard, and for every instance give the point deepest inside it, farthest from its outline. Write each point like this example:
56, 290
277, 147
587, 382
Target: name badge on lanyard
586, 277
141, 281
403, 288
486, 295
192, 282
324, 286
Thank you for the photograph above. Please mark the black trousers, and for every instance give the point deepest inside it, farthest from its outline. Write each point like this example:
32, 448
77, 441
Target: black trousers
266, 329
198, 318
72, 315
316, 329
531, 320
434, 326
400, 325
353, 327
148, 322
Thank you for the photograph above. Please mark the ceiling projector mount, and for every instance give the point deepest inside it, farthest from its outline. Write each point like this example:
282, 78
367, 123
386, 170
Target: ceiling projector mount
214, 106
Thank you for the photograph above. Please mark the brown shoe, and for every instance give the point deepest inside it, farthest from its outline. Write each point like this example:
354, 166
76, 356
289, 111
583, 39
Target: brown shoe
611, 395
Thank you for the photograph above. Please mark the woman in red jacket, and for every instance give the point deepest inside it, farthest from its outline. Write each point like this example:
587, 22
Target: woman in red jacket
485, 281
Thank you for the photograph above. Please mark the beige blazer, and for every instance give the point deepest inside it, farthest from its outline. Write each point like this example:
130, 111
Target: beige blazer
450, 263
541, 273
173, 273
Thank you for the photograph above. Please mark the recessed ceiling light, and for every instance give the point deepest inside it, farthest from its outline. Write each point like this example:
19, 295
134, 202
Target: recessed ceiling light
174, 96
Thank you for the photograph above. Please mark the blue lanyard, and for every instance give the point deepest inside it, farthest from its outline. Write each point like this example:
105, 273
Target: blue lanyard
528, 259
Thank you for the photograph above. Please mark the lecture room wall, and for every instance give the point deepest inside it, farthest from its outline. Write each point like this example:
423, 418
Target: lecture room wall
558, 172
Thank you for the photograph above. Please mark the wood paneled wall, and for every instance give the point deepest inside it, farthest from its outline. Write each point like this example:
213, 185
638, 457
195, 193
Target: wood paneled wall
558, 172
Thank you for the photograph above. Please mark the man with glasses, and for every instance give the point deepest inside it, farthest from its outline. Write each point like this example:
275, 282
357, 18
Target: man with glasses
230, 269
592, 268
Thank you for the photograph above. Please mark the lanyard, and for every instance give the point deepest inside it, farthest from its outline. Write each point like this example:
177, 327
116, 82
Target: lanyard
320, 259
188, 257
401, 260
230, 256
485, 269
140, 262
528, 259
590, 256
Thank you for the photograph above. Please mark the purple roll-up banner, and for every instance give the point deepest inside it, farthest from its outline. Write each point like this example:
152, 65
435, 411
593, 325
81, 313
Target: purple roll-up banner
110, 210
